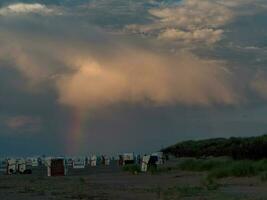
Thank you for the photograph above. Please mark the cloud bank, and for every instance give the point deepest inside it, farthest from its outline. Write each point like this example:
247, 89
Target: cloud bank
89, 74
140, 76
89, 67
191, 21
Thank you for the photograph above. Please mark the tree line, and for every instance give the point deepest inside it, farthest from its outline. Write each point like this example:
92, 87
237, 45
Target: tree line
235, 147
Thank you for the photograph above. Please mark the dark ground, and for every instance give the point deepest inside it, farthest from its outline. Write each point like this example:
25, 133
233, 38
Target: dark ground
111, 183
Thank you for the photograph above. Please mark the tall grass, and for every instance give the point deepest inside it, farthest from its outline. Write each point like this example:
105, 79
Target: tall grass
200, 165
235, 169
133, 168
220, 168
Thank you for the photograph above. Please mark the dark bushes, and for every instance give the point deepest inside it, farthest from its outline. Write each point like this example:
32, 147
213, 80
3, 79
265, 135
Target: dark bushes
254, 148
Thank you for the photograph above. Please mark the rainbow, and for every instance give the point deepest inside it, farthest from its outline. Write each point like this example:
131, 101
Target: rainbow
75, 133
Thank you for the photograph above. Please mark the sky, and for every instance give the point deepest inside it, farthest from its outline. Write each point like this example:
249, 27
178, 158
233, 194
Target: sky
81, 77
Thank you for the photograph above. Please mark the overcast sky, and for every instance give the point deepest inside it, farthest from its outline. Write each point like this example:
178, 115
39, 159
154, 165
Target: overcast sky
106, 76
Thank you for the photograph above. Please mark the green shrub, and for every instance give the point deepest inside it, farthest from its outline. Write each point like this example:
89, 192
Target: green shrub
261, 165
264, 176
210, 183
82, 180
219, 172
243, 168
153, 169
134, 169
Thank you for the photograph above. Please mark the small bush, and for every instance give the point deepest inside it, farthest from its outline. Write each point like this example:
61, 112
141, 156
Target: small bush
153, 169
82, 180
261, 165
263, 177
219, 173
134, 169
210, 183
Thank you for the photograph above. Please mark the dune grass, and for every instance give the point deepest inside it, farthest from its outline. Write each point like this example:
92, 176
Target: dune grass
221, 168
200, 165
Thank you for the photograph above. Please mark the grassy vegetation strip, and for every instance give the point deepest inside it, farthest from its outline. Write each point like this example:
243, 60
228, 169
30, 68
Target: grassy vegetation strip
220, 168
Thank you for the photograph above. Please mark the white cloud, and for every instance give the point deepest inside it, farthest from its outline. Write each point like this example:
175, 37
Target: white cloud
191, 21
26, 8
208, 35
